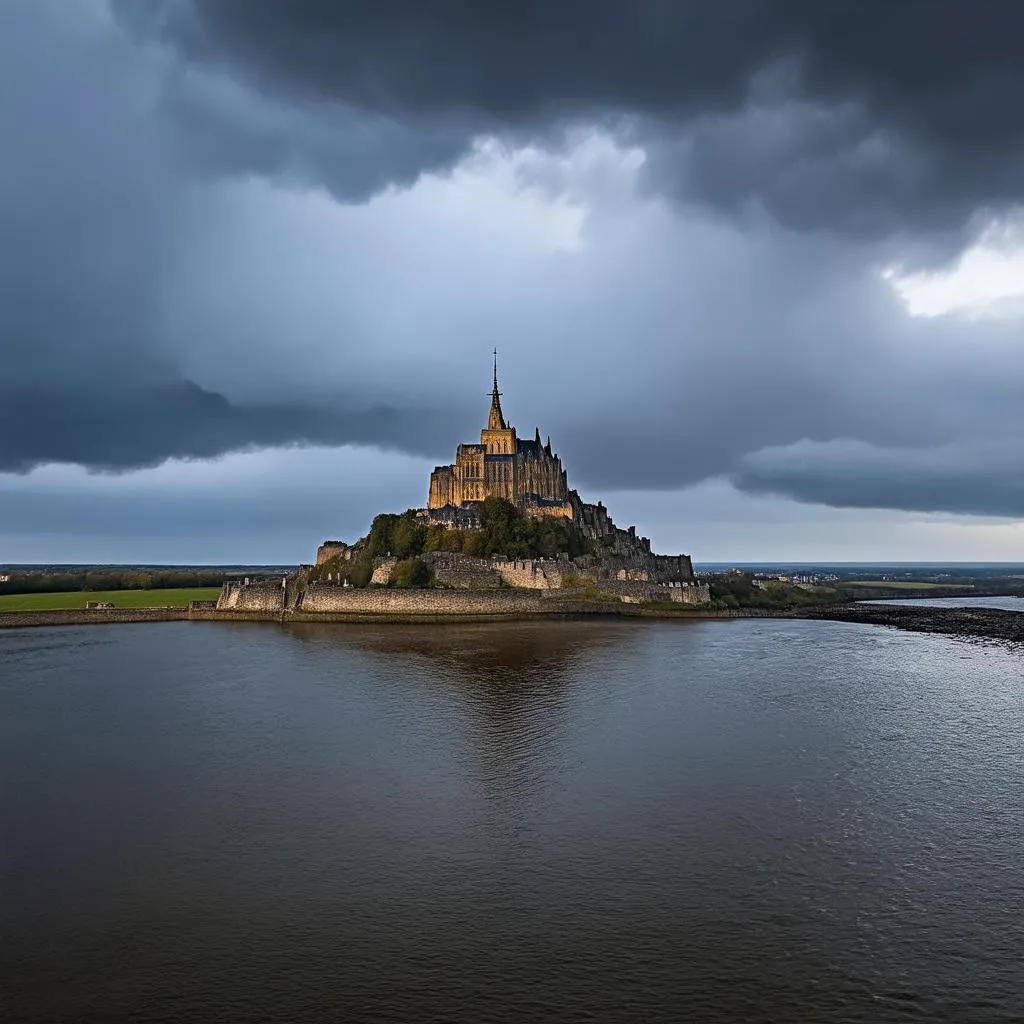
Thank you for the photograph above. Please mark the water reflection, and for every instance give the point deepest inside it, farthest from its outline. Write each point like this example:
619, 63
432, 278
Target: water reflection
576, 821
512, 687
504, 658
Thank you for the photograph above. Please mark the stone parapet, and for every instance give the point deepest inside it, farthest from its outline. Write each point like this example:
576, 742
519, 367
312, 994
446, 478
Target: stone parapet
453, 569
535, 573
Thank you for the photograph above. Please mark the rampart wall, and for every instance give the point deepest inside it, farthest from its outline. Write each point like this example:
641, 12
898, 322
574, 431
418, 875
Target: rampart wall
453, 569
380, 601
535, 574
331, 549
634, 592
253, 597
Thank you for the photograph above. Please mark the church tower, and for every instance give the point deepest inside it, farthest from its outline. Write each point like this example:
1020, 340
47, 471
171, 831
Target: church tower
498, 438
504, 466
495, 420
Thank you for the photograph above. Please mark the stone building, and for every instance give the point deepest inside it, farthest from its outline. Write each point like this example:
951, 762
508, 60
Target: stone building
531, 476
503, 465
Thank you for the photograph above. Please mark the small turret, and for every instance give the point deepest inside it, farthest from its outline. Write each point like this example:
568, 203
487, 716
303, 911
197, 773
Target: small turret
547, 447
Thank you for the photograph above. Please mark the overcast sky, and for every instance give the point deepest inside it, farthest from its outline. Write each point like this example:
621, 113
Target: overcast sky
758, 269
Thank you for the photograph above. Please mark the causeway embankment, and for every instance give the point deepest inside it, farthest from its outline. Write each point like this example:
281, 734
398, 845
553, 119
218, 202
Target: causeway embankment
89, 616
405, 608
452, 607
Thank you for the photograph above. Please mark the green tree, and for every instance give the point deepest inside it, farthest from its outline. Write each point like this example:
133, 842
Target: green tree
408, 537
452, 540
411, 572
435, 538
475, 544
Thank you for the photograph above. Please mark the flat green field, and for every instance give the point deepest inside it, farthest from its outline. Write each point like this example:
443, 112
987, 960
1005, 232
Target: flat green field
119, 598
906, 585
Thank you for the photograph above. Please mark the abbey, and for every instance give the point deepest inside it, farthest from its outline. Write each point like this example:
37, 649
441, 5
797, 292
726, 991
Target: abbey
613, 561
530, 475
503, 465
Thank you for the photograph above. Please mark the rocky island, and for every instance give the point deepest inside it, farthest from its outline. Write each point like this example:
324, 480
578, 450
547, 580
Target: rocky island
502, 533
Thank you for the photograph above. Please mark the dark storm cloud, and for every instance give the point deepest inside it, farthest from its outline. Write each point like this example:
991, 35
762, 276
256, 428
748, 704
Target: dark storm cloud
225, 129
143, 426
866, 117
159, 298
980, 478
92, 206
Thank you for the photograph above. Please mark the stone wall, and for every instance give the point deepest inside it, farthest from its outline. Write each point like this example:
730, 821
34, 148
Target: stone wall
462, 577
638, 566
696, 593
637, 591
671, 567
334, 549
253, 597
382, 569
453, 569
380, 601
535, 574
93, 617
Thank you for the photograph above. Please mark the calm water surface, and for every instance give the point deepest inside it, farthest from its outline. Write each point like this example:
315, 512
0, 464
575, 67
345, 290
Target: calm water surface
721, 821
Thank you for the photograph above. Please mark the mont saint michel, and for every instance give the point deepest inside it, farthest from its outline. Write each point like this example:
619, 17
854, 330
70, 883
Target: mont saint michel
349, 676
502, 533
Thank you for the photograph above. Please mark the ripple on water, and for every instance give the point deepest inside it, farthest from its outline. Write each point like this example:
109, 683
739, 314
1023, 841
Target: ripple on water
721, 821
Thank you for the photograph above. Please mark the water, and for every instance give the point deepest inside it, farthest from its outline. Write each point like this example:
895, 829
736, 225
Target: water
751, 820
1010, 604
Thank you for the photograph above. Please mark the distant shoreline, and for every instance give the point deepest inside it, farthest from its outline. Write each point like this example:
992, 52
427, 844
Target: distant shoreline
981, 623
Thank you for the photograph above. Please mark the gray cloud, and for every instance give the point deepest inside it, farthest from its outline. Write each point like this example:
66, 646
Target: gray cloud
144, 426
159, 298
264, 506
94, 207
981, 477
868, 117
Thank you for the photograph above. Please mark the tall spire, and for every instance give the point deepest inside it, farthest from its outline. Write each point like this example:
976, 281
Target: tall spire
495, 420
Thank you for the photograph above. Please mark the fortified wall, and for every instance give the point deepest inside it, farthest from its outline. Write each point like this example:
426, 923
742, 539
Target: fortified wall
459, 571
334, 549
322, 599
668, 581
252, 597
537, 574
527, 473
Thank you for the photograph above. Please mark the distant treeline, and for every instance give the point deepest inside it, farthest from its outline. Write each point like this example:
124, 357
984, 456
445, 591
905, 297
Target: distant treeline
110, 579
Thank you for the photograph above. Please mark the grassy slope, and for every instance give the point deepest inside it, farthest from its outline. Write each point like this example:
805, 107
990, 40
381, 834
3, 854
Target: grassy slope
119, 598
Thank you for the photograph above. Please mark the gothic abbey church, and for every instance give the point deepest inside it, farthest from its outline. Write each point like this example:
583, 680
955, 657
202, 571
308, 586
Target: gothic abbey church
530, 475
502, 465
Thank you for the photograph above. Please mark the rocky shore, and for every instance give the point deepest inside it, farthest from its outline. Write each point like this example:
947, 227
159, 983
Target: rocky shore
989, 623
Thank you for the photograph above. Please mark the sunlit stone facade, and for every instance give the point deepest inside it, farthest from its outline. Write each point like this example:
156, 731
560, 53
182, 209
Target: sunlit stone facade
503, 465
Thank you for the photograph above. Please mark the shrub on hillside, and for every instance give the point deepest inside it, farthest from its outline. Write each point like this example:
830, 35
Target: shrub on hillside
411, 572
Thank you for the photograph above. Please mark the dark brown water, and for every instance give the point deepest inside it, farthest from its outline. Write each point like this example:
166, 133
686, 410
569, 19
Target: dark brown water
722, 821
